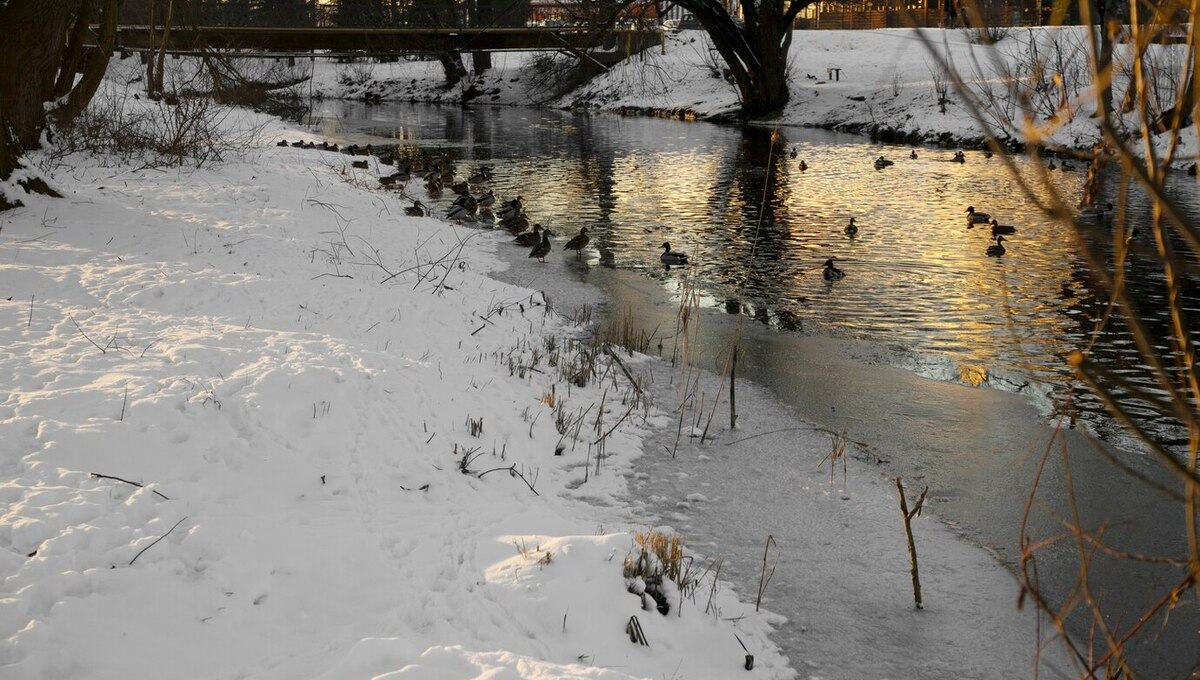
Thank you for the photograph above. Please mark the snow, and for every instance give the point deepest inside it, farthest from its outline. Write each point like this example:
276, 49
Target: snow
291, 375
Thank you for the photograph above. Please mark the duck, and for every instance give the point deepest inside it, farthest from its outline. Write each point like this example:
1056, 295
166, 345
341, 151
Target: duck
803, 166
510, 209
794, 152
361, 165
672, 257
881, 163
459, 211
541, 250
1051, 165
298, 143
996, 249
913, 154
434, 187
987, 153
578, 243
530, 238
974, 217
415, 210
282, 142
487, 200
460, 188
517, 224
395, 178
1097, 213
851, 229
332, 147
1066, 167
832, 273
998, 228
959, 157
483, 176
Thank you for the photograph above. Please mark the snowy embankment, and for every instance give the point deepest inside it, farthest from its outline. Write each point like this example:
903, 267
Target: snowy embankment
886, 82
258, 423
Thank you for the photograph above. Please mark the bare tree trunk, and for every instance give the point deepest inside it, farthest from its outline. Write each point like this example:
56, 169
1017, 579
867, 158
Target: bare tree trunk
74, 53
93, 70
34, 35
162, 50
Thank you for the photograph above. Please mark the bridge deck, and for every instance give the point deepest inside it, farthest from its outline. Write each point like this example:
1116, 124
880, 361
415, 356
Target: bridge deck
392, 40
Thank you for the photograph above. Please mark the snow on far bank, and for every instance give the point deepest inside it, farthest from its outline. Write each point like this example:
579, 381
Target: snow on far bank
310, 385
887, 79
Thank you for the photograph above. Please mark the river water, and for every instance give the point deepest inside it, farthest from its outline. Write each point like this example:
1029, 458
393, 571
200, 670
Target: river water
919, 298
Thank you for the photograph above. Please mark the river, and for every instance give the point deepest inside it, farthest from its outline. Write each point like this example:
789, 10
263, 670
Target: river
920, 300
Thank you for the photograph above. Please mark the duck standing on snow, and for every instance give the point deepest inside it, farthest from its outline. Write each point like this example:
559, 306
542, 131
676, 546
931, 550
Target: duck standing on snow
998, 228
578, 243
851, 229
415, 210
831, 272
541, 250
976, 217
672, 257
530, 238
997, 249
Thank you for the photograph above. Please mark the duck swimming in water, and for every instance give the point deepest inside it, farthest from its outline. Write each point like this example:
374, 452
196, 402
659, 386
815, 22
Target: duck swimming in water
977, 217
803, 166
851, 229
997, 249
959, 157
998, 228
831, 272
672, 257
913, 154
881, 163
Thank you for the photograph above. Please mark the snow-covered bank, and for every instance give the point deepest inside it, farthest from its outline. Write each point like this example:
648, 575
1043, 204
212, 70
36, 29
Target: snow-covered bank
887, 82
337, 418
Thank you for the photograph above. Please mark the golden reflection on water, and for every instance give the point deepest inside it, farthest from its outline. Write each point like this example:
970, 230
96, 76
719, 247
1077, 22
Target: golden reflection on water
917, 276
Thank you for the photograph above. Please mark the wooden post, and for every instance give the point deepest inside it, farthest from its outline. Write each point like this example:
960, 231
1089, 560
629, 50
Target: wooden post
912, 547
733, 390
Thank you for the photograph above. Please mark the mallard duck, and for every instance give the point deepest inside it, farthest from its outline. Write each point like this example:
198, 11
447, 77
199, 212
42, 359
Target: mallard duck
997, 249
959, 157
913, 154
672, 257
803, 166
987, 153
998, 228
394, 179
794, 152
530, 238
977, 217
487, 200
881, 163
433, 187
361, 165
832, 273
415, 210
1097, 213
484, 175
458, 211
578, 243
851, 229
541, 250
517, 224
459, 188
510, 209
282, 142
332, 147
298, 143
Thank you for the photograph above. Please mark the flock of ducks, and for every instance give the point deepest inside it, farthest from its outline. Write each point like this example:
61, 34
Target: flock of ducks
476, 203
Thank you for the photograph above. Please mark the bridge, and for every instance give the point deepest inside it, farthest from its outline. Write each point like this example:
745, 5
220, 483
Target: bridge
329, 42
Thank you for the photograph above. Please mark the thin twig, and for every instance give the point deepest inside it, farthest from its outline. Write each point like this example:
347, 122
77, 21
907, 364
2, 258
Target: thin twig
156, 541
